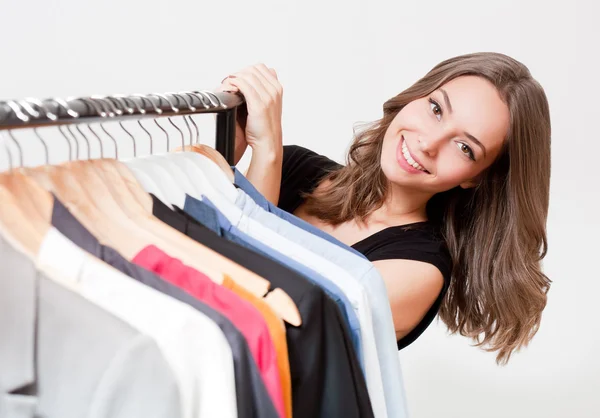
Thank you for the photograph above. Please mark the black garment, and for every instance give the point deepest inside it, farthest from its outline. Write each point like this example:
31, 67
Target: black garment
252, 398
326, 377
302, 172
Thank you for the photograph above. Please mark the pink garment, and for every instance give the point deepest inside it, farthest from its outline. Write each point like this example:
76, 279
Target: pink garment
241, 313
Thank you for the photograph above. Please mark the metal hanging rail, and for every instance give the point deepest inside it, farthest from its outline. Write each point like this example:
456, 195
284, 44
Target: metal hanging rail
32, 113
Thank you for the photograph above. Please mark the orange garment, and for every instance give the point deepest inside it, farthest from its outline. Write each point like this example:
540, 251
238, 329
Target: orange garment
277, 331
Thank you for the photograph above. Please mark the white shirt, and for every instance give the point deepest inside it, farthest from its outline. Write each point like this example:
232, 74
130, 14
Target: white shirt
194, 345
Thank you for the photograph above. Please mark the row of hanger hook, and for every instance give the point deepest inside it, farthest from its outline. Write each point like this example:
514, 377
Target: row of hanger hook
108, 108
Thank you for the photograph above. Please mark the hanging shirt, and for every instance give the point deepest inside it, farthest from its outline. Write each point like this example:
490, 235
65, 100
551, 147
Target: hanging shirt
243, 315
62, 356
253, 401
194, 346
364, 272
353, 289
210, 220
326, 377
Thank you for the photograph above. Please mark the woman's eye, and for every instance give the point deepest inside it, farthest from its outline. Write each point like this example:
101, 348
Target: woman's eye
465, 149
436, 108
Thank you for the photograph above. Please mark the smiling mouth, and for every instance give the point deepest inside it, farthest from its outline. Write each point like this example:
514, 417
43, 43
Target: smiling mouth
409, 159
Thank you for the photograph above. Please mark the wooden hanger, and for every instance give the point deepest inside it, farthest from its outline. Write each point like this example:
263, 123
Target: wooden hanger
15, 227
33, 201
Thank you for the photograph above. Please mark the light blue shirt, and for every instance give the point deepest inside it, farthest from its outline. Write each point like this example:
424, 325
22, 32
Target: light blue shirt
364, 272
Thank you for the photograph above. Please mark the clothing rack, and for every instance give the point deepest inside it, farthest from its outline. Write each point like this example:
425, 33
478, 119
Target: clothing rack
33, 113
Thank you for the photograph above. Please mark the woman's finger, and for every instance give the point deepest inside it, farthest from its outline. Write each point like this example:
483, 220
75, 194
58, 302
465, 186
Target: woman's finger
258, 82
226, 86
270, 75
265, 76
253, 99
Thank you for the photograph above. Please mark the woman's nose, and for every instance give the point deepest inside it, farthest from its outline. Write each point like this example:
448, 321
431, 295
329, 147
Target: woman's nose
429, 144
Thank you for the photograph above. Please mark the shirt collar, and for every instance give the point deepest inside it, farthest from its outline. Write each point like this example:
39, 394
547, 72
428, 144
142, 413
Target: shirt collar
206, 213
244, 184
166, 215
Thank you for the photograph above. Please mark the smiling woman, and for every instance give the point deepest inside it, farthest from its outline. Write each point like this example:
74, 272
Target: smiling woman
447, 194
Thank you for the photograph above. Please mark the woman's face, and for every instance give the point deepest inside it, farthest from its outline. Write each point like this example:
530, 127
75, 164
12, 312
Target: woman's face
450, 136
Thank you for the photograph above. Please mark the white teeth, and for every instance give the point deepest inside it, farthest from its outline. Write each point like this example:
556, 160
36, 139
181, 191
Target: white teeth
409, 159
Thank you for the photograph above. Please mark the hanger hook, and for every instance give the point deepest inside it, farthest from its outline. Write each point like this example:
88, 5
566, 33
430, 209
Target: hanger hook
35, 114
8, 153
35, 131
162, 96
176, 110
191, 109
101, 146
119, 112
102, 114
10, 134
17, 110
213, 98
29, 109
87, 141
206, 102
189, 93
64, 104
50, 115
142, 111
121, 99
68, 141
158, 111
112, 110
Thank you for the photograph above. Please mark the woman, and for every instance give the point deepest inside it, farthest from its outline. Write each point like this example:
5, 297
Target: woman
451, 183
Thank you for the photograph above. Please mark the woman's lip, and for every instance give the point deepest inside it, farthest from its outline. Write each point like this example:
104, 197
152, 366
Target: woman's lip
402, 161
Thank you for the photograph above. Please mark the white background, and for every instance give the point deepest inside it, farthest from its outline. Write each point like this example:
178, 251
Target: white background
338, 63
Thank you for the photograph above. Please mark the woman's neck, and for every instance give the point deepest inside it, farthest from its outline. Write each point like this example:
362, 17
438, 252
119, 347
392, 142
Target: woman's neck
402, 206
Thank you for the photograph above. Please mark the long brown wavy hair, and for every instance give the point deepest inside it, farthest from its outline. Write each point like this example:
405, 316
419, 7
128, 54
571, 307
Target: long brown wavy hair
496, 232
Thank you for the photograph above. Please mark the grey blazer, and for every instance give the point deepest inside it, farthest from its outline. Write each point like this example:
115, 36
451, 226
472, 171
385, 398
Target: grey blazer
63, 357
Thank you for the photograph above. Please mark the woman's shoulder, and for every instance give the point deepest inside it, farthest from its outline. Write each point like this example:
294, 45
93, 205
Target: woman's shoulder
302, 171
297, 157
420, 241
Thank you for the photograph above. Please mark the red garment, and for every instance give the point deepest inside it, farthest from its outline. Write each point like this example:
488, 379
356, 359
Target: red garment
241, 313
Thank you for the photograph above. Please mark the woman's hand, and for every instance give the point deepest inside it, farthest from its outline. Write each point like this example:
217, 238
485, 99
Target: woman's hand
261, 127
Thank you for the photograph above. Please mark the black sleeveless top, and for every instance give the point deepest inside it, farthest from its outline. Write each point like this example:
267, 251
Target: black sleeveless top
421, 241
